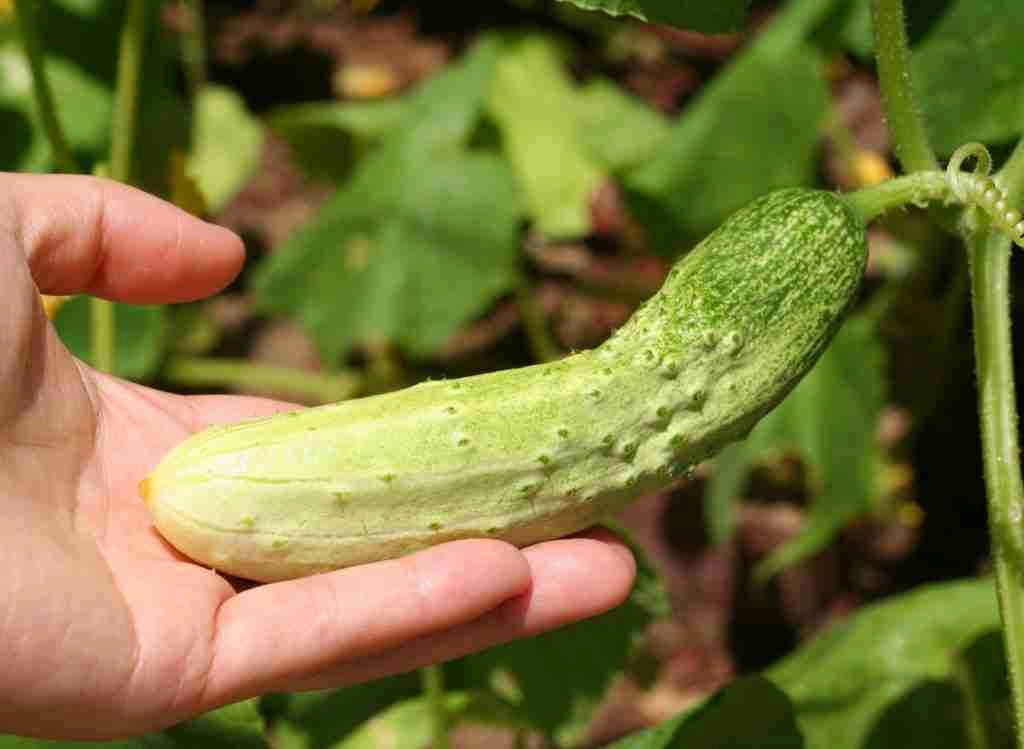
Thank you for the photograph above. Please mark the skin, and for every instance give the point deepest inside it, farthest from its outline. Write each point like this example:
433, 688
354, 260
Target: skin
105, 630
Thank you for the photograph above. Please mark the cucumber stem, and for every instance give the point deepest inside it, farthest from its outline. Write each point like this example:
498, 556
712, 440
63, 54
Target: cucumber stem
28, 31
919, 189
989, 258
313, 386
906, 124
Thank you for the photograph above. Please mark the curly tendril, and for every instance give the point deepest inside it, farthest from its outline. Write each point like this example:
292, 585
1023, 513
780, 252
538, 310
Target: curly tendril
977, 188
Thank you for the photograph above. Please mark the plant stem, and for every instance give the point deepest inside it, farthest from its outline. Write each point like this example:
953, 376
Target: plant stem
906, 125
102, 343
193, 47
236, 373
122, 138
129, 69
542, 344
28, 31
919, 188
433, 686
989, 258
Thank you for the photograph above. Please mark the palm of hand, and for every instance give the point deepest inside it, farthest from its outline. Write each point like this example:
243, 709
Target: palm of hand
110, 632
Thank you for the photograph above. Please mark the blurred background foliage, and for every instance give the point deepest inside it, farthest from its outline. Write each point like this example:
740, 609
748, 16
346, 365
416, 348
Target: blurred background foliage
440, 189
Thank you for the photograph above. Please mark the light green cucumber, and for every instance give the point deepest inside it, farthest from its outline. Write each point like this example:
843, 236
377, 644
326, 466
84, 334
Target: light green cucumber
535, 453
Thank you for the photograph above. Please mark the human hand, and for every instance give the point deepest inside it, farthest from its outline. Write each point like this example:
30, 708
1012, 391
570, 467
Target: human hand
105, 630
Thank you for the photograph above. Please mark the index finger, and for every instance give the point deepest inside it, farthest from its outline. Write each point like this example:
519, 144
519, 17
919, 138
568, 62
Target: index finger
91, 235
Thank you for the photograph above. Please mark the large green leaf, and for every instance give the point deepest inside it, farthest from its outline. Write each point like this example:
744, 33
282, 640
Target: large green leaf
890, 676
830, 420
423, 238
754, 128
619, 130
912, 672
326, 137
969, 73
226, 148
699, 15
556, 172
140, 330
556, 680
749, 712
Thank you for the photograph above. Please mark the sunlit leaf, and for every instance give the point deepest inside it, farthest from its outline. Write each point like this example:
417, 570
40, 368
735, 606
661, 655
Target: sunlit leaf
754, 128
227, 144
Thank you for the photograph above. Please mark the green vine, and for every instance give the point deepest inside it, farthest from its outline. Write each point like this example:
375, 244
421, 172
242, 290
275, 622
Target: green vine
989, 256
906, 125
977, 190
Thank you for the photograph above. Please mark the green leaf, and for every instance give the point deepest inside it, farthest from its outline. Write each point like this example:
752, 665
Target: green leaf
830, 419
887, 676
731, 466
18, 137
754, 128
238, 725
423, 238
749, 712
327, 137
86, 126
320, 719
141, 335
226, 149
408, 724
556, 173
619, 130
699, 15
555, 681
900, 673
969, 74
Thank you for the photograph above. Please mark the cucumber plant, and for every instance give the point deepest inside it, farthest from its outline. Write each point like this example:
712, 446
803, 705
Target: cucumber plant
538, 452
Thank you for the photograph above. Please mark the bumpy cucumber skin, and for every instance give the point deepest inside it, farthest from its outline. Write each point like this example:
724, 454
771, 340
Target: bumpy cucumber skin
535, 453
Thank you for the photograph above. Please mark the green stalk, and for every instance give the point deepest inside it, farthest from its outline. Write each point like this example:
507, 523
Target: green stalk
919, 188
28, 31
193, 47
236, 373
989, 257
122, 140
542, 345
129, 69
103, 343
433, 687
906, 125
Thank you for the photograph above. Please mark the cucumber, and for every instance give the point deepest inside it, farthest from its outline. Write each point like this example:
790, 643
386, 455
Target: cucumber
529, 454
